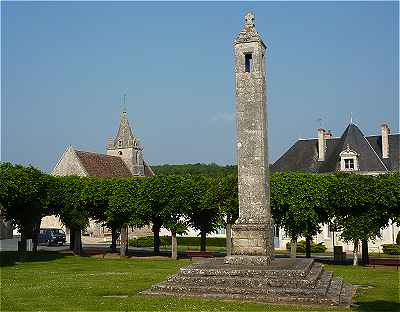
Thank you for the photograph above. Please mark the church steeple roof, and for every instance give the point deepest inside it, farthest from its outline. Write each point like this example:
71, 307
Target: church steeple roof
125, 137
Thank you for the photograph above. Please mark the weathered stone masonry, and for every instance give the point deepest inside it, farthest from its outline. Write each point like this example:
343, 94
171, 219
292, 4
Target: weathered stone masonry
252, 234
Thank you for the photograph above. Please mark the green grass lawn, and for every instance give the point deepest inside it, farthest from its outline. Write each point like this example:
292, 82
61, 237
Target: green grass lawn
56, 282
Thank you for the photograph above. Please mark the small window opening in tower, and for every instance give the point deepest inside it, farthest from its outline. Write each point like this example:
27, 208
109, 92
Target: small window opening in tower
248, 62
119, 153
119, 143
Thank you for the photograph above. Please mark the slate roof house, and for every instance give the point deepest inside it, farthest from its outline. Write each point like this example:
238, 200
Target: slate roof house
123, 158
351, 152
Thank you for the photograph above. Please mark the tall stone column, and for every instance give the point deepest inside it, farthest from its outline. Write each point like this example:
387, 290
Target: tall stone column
252, 233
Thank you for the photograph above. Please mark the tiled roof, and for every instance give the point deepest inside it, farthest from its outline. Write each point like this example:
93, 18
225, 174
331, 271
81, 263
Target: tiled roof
100, 165
303, 155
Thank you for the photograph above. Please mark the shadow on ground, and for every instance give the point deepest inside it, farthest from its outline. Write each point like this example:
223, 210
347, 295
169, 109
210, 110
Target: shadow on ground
379, 305
9, 258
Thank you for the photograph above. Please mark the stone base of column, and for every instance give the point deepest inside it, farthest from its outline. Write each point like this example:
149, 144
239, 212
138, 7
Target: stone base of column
251, 244
248, 260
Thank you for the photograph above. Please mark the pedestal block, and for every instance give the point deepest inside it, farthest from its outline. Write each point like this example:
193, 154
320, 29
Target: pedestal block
252, 239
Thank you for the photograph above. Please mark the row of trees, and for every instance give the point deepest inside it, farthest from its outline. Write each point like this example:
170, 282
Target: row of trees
357, 205
211, 169
172, 202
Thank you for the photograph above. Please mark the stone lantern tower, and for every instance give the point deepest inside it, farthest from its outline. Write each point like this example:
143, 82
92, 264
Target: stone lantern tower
252, 233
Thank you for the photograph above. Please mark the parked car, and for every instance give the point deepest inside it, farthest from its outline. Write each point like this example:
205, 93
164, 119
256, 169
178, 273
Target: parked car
52, 236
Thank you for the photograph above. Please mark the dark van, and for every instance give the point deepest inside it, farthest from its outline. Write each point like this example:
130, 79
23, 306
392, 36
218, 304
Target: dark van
52, 237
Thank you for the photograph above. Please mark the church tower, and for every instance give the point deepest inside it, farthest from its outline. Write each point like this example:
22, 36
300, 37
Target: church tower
127, 146
252, 233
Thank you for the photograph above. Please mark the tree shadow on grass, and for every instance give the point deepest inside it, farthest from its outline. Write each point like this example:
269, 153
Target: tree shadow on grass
9, 258
379, 305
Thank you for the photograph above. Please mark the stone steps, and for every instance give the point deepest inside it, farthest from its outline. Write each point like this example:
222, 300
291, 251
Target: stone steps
304, 282
346, 295
207, 289
284, 268
310, 281
257, 297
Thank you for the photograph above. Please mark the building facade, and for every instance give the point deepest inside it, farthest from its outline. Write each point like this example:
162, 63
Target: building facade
352, 152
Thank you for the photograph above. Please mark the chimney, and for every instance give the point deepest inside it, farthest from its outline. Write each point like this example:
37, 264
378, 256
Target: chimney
385, 131
328, 134
321, 144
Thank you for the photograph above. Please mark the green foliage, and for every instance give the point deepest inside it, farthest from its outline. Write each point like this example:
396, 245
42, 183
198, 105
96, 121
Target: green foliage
301, 247
123, 203
148, 241
391, 249
387, 197
299, 202
398, 238
68, 200
205, 169
203, 210
23, 196
195, 241
360, 205
224, 194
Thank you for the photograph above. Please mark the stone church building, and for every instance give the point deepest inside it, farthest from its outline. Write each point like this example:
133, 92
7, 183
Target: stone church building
123, 158
351, 152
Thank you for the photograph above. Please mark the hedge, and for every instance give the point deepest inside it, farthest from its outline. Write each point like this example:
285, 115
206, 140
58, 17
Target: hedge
148, 241
301, 247
391, 249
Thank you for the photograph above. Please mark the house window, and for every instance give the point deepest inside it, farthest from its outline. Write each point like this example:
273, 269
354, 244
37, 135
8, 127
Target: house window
348, 160
349, 163
248, 61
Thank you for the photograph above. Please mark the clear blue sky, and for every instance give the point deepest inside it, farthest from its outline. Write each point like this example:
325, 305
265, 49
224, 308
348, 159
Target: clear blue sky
66, 65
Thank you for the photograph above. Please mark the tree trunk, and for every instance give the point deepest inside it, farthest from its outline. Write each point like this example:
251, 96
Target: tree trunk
355, 253
156, 233
203, 240
77, 241
114, 237
228, 230
308, 246
35, 239
35, 235
293, 248
364, 252
124, 241
71, 238
22, 243
174, 246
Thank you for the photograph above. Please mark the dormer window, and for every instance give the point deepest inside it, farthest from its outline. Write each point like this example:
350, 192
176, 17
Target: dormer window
348, 160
